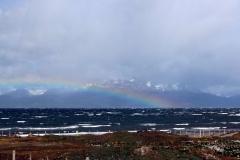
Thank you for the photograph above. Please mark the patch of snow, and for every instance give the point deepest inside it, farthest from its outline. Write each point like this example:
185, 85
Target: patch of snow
132, 80
115, 82
149, 84
7, 90
175, 86
37, 92
160, 86
89, 84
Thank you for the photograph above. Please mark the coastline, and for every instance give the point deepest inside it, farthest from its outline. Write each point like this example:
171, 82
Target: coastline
120, 145
190, 133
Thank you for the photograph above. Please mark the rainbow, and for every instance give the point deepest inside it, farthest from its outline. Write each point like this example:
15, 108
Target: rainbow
141, 99
138, 99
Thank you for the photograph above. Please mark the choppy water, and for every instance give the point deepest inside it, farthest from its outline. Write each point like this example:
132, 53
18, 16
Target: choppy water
103, 120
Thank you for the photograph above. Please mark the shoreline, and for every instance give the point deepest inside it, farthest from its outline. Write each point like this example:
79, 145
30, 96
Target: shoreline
190, 133
127, 144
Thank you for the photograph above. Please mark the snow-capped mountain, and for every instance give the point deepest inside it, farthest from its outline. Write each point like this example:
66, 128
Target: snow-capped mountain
176, 87
23, 92
36, 91
18, 93
135, 84
7, 90
112, 94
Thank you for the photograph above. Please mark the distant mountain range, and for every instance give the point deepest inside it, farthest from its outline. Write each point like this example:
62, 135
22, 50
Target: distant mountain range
131, 93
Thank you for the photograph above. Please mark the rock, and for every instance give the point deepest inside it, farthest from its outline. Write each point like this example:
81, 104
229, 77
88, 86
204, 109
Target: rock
144, 150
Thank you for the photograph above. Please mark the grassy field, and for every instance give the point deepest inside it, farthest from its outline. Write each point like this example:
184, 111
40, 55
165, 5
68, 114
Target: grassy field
119, 145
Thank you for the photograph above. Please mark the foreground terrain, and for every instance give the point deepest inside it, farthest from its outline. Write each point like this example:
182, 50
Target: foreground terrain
121, 145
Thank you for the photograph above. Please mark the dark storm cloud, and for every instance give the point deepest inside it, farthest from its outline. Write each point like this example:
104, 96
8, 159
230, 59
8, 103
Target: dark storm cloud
194, 42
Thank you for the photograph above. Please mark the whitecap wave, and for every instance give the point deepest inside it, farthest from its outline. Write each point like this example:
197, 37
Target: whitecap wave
5, 129
179, 128
234, 122
136, 114
206, 128
182, 124
46, 128
21, 121
114, 112
148, 124
40, 116
95, 126
84, 124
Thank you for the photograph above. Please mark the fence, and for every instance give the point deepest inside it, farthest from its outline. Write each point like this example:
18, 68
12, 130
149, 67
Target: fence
201, 132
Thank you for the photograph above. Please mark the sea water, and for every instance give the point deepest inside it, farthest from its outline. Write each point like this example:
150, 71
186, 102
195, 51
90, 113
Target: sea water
110, 120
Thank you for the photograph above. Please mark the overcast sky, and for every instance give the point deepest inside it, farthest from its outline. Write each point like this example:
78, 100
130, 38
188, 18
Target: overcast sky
80, 41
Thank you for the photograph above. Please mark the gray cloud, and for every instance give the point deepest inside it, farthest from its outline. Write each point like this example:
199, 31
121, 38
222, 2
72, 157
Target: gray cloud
194, 42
